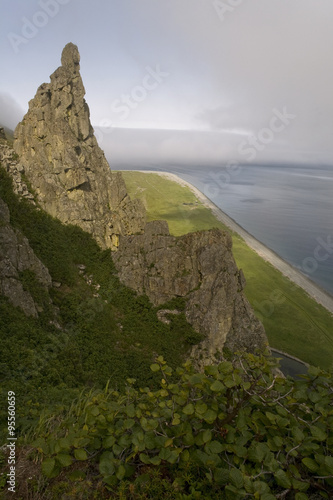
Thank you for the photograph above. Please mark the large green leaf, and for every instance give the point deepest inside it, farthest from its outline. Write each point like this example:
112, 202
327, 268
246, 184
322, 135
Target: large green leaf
310, 464
282, 479
109, 442
188, 409
48, 467
217, 386
64, 460
155, 367
225, 367
106, 464
80, 454
301, 496
210, 416
201, 408
318, 433
236, 477
211, 370
121, 472
207, 435
214, 447
329, 464
298, 434
222, 476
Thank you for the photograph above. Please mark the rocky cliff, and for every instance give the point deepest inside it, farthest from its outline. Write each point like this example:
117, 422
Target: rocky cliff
72, 181
63, 162
16, 256
200, 268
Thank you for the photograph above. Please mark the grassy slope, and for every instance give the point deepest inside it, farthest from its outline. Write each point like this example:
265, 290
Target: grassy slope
293, 321
110, 335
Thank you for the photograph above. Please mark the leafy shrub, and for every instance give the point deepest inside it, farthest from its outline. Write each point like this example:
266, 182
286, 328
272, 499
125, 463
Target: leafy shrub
235, 431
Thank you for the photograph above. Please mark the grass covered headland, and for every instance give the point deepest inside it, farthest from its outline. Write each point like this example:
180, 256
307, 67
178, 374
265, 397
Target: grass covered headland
294, 322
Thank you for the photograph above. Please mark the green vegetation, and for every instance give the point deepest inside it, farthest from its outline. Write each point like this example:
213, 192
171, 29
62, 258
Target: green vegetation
294, 322
105, 409
291, 318
165, 199
235, 431
91, 328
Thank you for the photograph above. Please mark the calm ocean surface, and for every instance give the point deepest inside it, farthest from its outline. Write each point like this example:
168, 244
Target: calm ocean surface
289, 209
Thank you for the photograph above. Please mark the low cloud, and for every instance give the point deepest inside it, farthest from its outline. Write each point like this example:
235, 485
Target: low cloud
11, 112
144, 148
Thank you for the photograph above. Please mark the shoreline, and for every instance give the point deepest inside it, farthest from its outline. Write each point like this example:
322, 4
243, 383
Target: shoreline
310, 288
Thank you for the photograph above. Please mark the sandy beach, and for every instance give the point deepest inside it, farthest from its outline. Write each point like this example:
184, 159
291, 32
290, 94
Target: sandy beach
314, 291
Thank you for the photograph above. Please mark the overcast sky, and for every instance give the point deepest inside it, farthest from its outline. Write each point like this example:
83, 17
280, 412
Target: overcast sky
246, 80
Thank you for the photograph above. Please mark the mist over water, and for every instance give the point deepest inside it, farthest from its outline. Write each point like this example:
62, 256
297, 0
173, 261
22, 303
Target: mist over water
288, 208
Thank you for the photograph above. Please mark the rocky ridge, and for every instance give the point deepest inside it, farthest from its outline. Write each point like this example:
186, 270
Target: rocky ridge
72, 181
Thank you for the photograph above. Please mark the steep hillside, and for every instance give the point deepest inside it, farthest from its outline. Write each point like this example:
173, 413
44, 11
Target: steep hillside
61, 161
66, 321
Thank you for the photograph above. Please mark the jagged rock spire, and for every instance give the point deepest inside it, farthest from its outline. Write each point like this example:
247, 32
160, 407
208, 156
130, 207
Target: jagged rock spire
65, 165
70, 57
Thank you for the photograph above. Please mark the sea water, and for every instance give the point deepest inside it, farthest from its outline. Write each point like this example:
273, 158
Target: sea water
288, 208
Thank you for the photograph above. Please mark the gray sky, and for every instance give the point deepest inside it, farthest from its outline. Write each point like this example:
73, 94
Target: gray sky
215, 75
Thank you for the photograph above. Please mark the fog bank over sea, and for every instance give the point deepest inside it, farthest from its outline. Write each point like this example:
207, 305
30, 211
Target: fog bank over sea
288, 208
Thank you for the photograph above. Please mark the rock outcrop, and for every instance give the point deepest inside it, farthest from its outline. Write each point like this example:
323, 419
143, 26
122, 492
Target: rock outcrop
17, 256
63, 162
8, 160
199, 267
72, 181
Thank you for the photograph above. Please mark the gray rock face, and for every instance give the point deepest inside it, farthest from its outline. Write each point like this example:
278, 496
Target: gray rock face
16, 256
8, 160
2, 133
64, 164
199, 267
